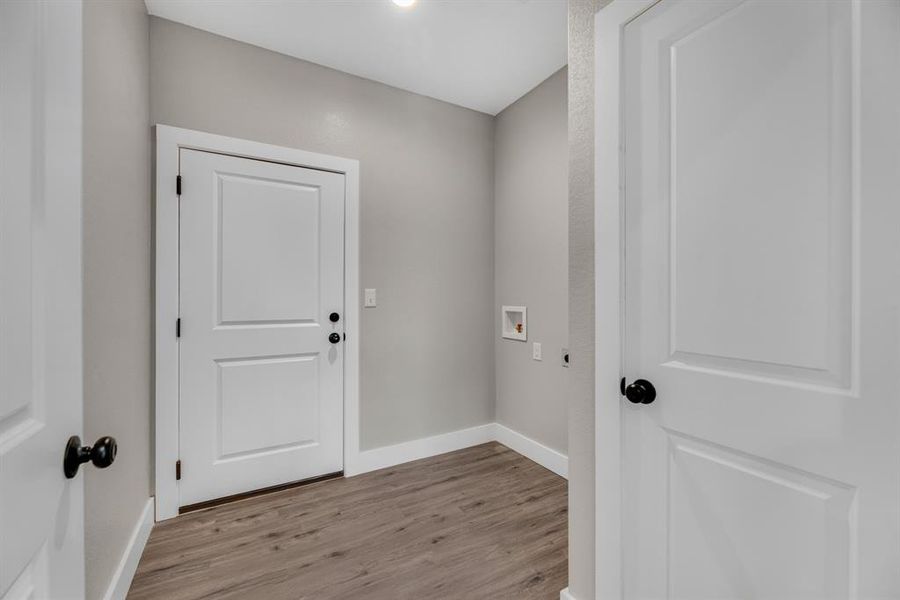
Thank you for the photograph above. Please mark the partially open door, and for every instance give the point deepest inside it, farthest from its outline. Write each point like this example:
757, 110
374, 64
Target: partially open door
758, 443
41, 511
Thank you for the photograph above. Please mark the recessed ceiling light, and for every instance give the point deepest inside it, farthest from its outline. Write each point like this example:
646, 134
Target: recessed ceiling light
404, 3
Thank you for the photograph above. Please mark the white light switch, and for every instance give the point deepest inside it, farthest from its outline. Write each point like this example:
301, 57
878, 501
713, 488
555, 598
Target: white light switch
536, 353
370, 298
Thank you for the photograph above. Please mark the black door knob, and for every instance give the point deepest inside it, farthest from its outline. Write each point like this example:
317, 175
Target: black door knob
334, 317
640, 391
334, 338
102, 454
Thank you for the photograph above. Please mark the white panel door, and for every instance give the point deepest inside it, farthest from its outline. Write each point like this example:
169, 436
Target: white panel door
41, 511
262, 271
762, 300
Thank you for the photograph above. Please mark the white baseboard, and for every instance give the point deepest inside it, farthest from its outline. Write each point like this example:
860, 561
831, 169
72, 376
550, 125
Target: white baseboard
536, 451
565, 595
389, 456
121, 580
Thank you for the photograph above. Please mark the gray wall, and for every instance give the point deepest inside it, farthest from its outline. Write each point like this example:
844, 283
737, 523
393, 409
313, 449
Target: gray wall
116, 254
581, 296
427, 214
531, 259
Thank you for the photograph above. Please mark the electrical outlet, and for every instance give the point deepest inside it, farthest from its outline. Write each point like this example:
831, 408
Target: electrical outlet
370, 300
536, 352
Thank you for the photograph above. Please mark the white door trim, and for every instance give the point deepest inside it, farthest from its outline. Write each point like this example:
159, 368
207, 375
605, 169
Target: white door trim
609, 27
168, 142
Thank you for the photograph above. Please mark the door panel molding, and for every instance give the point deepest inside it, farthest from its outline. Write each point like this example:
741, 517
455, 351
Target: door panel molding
705, 476
169, 142
701, 330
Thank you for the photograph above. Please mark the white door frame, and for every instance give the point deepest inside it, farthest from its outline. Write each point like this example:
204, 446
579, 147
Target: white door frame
169, 140
609, 31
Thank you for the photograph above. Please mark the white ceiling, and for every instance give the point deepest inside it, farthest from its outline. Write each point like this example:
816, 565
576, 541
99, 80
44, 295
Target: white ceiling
481, 54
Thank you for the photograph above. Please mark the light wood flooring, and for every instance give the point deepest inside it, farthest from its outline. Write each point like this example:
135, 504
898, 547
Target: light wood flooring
480, 523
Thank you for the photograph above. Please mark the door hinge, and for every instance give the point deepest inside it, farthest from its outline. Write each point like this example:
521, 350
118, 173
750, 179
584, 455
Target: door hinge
178, 470
178, 185
178, 327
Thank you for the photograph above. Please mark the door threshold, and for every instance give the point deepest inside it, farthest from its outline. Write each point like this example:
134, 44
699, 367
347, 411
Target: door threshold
254, 493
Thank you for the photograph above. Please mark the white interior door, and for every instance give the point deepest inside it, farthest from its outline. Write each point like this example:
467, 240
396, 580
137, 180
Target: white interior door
41, 511
262, 271
762, 300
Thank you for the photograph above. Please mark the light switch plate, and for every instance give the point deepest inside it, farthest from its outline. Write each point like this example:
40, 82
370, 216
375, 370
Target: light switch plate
370, 300
537, 353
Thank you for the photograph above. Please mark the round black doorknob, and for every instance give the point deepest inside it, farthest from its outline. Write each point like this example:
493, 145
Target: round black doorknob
334, 317
334, 338
101, 454
640, 391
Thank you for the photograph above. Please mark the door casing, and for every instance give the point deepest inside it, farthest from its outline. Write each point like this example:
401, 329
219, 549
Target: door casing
169, 140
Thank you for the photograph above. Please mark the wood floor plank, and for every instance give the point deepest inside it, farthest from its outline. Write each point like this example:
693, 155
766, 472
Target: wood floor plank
483, 522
